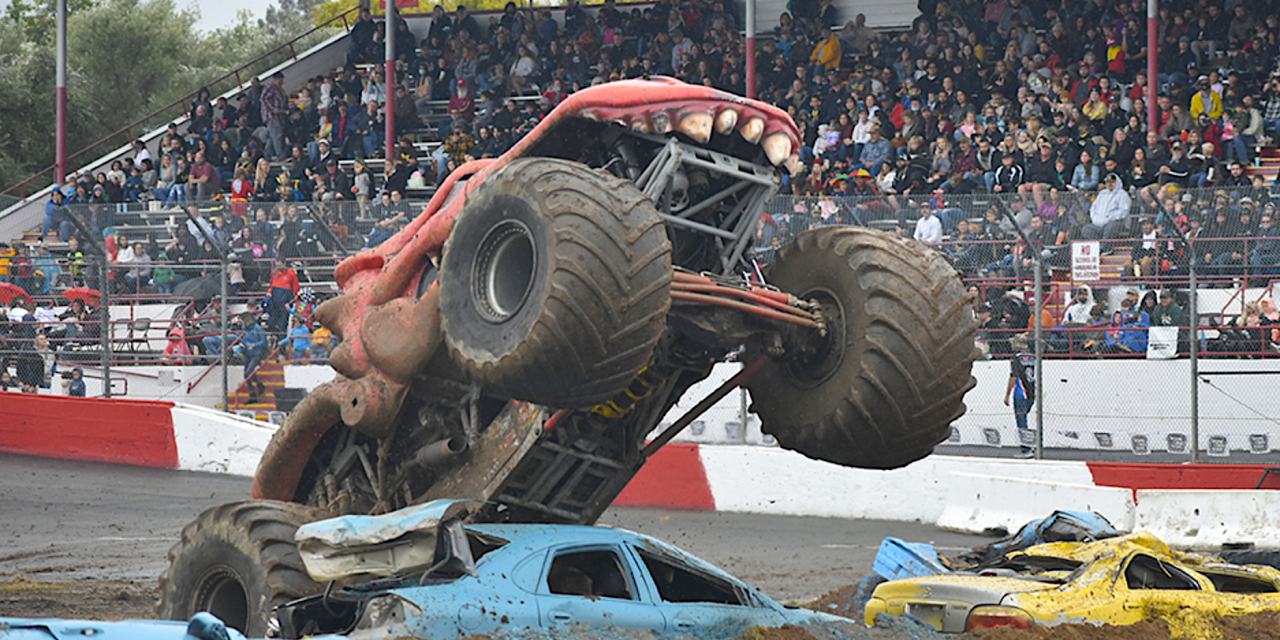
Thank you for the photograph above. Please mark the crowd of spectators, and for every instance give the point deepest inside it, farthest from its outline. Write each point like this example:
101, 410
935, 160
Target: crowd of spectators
1041, 103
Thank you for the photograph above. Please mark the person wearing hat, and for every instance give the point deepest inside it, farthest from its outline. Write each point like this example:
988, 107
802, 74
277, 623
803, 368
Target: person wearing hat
1167, 312
275, 108
1206, 101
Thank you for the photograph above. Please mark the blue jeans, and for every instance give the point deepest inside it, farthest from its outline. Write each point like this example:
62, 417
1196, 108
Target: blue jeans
63, 227
213, 344
1022, 407
1239, 147
172, 194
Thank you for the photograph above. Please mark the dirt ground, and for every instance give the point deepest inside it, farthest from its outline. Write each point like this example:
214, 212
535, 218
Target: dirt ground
126, 599
87, 599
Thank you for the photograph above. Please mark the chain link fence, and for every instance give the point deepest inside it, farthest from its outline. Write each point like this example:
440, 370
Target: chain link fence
1114, 385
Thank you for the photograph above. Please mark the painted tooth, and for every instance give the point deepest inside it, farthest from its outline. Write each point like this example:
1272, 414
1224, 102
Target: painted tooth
661, 122
793, 163
725, 121
640, 125
590, 114
619, 121
697, 125
752, 130
777, 147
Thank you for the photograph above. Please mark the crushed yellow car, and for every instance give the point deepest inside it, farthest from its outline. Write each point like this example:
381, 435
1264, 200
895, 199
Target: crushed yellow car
1116, 581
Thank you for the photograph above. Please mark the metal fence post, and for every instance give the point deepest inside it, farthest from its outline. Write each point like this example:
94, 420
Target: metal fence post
1195, 360
105, 330
1039, 377
226, 396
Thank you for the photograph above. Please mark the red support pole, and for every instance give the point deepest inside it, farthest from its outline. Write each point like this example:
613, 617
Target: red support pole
751, 49
1153, 117
60, 149
390, 86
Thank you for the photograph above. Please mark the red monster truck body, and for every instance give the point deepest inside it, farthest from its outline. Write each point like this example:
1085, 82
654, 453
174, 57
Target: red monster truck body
581, 284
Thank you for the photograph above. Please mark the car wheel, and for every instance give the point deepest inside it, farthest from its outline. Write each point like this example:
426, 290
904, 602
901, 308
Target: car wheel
238, 561
890, 376
555, 283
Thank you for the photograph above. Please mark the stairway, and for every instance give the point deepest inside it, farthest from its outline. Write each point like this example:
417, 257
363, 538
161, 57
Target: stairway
1267, 165
271, 373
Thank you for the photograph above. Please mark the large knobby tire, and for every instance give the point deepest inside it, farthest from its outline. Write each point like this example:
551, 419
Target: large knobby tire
238, 561
892, 372
555, 283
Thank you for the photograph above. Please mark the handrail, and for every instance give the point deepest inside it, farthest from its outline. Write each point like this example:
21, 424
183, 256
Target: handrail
20, 187
226, 350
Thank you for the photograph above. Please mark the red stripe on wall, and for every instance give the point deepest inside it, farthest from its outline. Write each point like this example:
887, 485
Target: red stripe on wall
137, 432
673, 478
1179, 476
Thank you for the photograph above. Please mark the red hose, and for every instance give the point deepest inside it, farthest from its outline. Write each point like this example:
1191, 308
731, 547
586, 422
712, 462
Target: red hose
743, 306
742, 293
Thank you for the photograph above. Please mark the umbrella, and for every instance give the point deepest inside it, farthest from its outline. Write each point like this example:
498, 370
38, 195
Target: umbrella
91, 297
199, 288
10, 291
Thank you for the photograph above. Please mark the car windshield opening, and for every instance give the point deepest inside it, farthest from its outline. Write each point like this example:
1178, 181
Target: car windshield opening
1232, 583
1146, 572
595, 573
677, 583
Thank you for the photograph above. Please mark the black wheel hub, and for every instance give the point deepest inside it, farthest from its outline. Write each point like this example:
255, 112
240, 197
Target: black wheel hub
503, 271
220, 592
821, 356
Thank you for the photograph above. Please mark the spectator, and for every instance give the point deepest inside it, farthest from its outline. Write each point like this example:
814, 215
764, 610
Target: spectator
252, 349
275, 106
1109, 214
299, 341
75, 386
55, 220
281, 291
928, 228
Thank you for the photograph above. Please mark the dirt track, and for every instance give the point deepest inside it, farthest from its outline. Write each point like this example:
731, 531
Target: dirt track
87, 541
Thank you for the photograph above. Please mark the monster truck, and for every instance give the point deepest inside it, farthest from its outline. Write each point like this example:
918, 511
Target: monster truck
580, 284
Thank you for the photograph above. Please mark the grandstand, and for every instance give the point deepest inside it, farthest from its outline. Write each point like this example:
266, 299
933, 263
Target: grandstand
951, 93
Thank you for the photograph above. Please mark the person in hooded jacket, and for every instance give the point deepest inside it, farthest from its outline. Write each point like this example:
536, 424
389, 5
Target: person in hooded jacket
176, 352
1109, 214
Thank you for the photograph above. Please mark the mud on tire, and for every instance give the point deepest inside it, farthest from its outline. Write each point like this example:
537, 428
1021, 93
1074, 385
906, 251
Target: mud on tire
555, 283
891, 377
238, 561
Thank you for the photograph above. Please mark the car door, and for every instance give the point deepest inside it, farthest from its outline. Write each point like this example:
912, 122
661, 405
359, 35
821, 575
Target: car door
594, 585
1151, 585
695, 601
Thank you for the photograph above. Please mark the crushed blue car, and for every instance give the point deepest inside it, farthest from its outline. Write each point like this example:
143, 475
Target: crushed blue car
203, 626
434, 577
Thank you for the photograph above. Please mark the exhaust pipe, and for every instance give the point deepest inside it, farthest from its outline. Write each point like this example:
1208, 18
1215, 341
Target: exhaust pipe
440, 452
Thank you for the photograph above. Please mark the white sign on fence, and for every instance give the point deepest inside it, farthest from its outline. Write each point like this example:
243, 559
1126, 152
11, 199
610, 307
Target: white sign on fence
1162, 343
1086, 261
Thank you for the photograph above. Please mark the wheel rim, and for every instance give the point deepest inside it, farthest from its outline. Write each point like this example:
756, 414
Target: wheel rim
221, 593
503, 272
824, 354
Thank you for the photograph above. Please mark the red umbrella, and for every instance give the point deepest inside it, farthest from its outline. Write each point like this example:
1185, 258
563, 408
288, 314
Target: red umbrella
91, 297
9, 292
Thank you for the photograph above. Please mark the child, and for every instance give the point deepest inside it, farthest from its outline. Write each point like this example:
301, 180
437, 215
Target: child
133, 186
76, 388
320, 342
299, 340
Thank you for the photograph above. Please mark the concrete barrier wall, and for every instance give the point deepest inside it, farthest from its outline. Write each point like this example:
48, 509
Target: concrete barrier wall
977, 503
1208, 519
218, 442
770, 480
